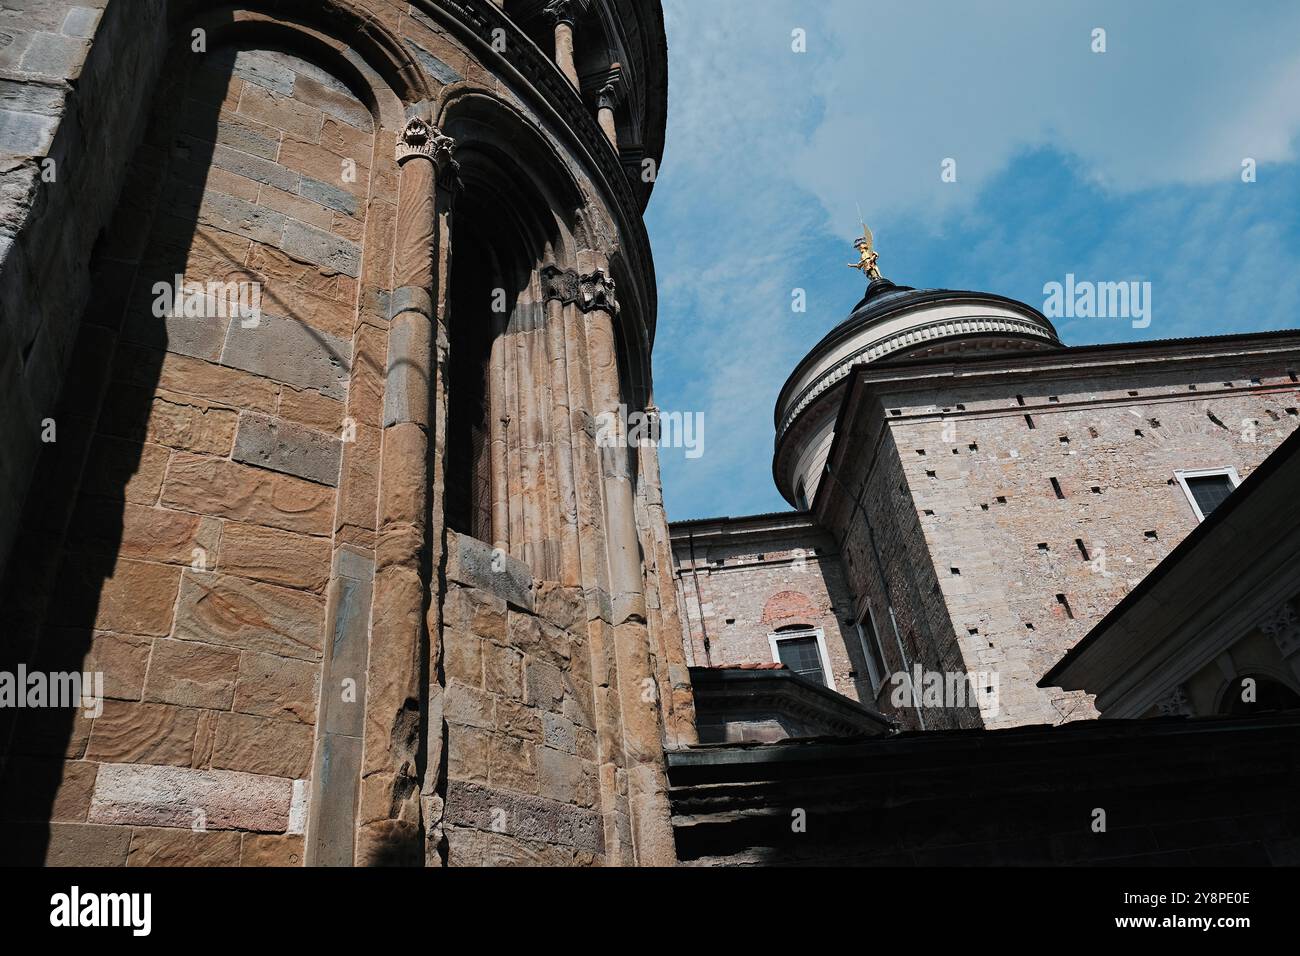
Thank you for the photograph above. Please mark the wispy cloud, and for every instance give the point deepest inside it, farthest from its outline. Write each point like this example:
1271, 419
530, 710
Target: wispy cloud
1123, 164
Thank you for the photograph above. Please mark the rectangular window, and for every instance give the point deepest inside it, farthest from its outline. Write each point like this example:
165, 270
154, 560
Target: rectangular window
1207, 488
804, 652
870, 641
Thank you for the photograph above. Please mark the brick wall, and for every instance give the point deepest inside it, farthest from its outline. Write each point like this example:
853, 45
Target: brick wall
757, 576
981, 541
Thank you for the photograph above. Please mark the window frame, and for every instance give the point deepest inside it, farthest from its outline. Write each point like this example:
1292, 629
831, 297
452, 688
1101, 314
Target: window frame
775, 637
877, 680
1183, 474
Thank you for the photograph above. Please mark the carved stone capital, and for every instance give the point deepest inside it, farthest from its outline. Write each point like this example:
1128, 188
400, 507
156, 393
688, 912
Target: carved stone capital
560, 284
596, 291
562, 11
420, 139
1283, 625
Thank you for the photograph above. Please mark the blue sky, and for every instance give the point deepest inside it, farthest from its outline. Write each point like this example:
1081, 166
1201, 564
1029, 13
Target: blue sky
1114, 166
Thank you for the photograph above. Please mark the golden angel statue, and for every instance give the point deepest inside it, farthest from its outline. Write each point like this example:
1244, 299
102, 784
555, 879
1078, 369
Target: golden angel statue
866, 263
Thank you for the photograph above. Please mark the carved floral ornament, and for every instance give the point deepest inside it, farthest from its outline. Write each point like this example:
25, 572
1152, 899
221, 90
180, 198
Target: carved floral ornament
1174, 703
1283, 625
420, 138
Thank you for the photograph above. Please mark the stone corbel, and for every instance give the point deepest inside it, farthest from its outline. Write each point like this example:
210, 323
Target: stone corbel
1283, 626
596, 291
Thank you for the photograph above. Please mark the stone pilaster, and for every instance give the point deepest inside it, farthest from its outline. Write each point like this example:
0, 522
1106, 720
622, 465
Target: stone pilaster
637, 687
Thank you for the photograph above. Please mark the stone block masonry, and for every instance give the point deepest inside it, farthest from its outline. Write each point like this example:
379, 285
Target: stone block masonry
197, 567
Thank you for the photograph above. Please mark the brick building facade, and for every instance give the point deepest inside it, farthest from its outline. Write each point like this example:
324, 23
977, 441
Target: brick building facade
975, 497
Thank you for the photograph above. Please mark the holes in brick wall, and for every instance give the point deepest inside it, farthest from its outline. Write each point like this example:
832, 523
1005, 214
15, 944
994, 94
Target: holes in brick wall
921, 451
1064, 439
928, 512
1153, 422
1001, 499
1053, 398
1096, 489
1150, 536
731, 620
984, 507
1291, 412
1029, 625
933, 476
956, 572
1137, 432
1061, 600
895, 411
1132, 393
956, 451
972, 447
962, 408
1042, 546
1254, 381
1191, 388
1056, 488
972, 630
1083, 549
1029, 420
1227, 385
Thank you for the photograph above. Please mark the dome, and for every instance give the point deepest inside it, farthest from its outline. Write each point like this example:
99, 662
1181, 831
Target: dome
891, 322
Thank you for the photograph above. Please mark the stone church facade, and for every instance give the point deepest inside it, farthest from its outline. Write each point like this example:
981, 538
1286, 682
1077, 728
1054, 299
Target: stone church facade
314, 319
361, 583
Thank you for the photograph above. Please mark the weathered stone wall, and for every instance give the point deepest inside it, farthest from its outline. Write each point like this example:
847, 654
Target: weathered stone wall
960, 489
519, 704
70, 117
199, 550
241, 523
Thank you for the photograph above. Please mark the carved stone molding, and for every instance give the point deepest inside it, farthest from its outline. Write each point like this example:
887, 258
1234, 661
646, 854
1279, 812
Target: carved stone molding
560, 284
424, 140
1174, 704
1283, 625
904, 338
596, 291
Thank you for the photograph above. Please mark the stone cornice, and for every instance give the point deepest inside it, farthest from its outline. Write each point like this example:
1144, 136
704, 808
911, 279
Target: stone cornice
930, 332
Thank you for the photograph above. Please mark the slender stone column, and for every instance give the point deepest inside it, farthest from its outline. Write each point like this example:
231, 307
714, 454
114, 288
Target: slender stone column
389, 816
562, 12
605, 105
637, 690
